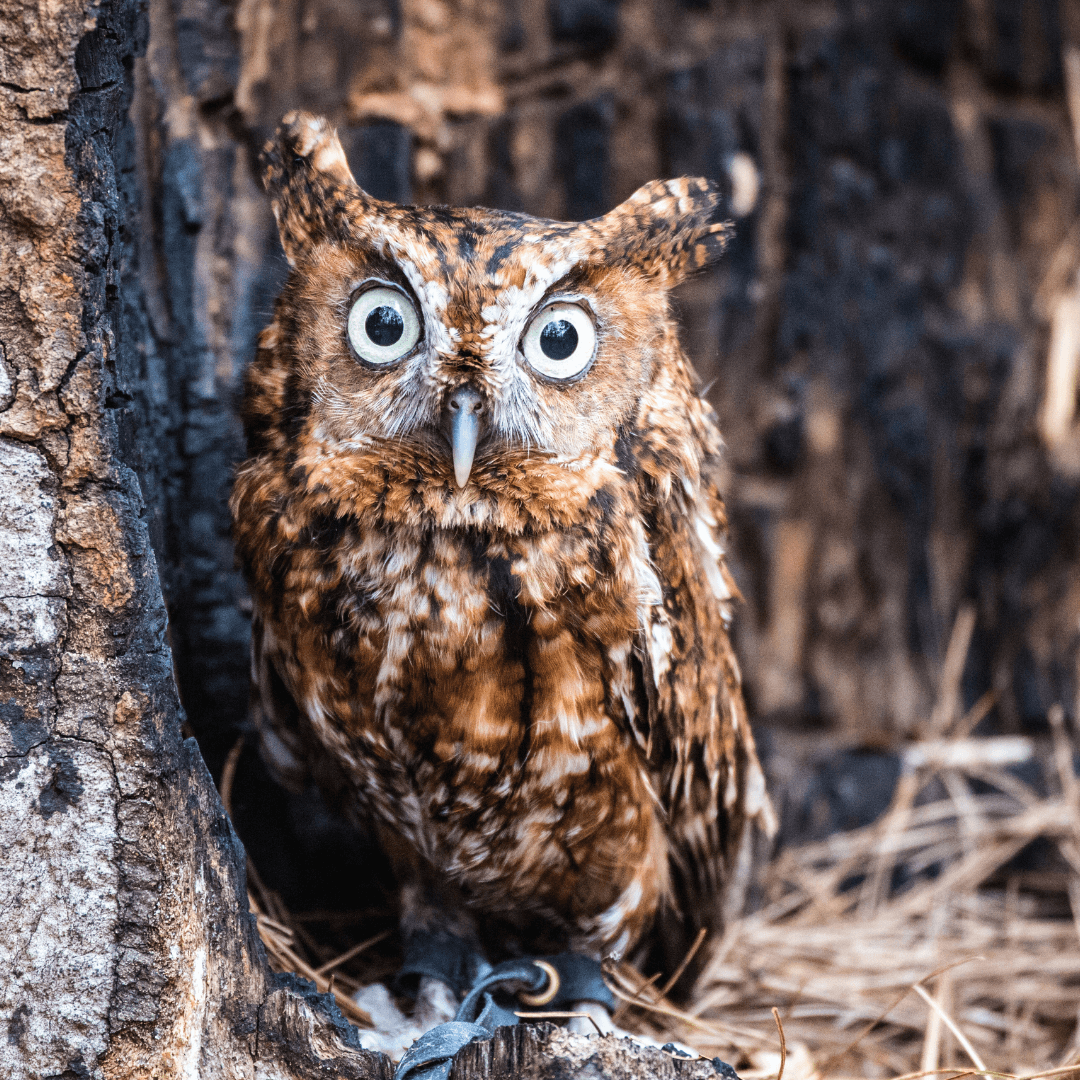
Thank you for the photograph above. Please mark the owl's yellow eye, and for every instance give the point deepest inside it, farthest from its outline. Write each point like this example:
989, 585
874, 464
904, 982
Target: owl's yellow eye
383, 326
560, 341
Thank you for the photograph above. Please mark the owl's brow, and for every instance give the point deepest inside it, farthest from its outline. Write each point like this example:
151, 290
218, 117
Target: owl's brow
581, 278
375, 264
575, 278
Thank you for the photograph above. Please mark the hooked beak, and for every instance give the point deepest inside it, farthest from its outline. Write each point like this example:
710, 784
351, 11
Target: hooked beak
462, 421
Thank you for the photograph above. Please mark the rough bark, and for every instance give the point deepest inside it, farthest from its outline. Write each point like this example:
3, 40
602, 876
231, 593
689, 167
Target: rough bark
545, 1052
126, 950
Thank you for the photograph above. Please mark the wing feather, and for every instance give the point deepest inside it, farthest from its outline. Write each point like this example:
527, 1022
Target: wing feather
292, 752
701, 748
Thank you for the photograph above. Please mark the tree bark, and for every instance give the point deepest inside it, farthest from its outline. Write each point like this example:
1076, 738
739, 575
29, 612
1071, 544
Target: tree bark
127, 949
880, 341
545, 1052
877, 341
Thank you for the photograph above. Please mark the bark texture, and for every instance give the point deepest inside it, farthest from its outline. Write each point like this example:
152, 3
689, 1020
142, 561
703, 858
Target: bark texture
876, 342
545, 1052
126, 950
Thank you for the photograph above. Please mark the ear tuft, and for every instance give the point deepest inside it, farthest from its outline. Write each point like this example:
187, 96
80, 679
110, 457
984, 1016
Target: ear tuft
308, 178
668, 228
304, 142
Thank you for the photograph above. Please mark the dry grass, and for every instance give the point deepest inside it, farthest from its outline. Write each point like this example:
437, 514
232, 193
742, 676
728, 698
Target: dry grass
964, 968
907, 948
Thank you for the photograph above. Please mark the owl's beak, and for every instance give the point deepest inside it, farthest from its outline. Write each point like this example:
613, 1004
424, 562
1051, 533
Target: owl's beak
462, 421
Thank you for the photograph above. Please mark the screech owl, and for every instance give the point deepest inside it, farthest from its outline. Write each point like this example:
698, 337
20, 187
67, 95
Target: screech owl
484, 540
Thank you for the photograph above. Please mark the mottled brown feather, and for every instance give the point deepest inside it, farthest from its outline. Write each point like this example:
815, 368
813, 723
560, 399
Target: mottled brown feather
524, 687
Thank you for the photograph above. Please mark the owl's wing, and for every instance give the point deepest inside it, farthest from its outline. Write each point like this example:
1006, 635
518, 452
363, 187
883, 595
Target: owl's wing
274, 713
697, 739
290, 749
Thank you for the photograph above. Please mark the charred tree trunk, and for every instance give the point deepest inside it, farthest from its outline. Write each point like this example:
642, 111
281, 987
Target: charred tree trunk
905, 186
887, 342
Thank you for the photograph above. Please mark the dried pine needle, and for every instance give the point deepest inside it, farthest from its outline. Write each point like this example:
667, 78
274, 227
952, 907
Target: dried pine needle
355, 951
560, 1016
783, 1043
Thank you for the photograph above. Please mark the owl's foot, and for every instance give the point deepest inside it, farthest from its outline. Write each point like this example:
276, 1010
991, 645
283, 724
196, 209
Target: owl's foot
435, 1003
395, 1032
597, 1020
439, 1025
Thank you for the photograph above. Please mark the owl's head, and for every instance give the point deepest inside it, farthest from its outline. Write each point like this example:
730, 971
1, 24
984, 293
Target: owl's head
466, 336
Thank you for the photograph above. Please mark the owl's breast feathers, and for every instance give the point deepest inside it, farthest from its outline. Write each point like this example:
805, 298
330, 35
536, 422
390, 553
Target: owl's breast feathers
530, 678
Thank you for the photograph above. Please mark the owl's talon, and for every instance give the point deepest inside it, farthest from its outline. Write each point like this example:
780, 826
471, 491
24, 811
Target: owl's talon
395, 1032
436, 1003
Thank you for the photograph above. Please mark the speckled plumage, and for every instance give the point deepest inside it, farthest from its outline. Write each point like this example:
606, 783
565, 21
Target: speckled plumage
523, 686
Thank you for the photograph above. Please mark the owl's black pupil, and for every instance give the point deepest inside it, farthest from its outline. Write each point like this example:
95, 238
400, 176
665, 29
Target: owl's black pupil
384, 325
558, 339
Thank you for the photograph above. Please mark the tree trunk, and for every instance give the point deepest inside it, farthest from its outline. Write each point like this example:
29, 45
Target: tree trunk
888, 342
127, 950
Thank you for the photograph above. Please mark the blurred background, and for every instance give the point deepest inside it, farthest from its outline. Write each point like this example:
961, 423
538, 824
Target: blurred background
891, 343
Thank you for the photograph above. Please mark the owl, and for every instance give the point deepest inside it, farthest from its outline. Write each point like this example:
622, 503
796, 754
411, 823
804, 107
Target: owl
482, 531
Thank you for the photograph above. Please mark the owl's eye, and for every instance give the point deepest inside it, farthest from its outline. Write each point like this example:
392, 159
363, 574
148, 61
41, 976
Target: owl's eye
383, 326
560, 341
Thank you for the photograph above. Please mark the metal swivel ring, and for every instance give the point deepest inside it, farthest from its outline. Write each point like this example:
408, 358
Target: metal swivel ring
547, 995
